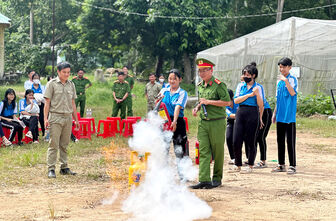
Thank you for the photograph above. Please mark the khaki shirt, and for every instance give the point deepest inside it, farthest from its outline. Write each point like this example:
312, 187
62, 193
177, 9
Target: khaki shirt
215, 90
152, 91
60, 95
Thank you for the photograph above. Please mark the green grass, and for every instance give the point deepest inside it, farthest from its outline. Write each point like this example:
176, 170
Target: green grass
322, 127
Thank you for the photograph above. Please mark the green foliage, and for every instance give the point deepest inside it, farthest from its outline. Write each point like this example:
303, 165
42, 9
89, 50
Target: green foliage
315, 104
310, 104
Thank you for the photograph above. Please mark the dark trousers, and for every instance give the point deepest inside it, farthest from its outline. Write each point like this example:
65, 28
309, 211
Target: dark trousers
14, 128
262, 133
245, 129
32, 123
288, 131
81, 99
229, 137
180, 138
41, 118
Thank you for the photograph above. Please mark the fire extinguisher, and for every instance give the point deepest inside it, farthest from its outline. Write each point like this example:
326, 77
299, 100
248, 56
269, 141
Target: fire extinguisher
197, 152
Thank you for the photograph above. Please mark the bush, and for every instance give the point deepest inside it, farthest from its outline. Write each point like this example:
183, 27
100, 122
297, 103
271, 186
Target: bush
310, 104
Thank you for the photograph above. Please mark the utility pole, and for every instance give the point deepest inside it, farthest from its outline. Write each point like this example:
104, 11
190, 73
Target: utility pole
279, 11
53, 40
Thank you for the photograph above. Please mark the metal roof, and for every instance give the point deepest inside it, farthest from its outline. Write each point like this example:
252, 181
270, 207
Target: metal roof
4, 20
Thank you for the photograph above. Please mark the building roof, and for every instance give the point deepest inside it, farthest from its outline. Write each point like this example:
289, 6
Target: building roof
4, 20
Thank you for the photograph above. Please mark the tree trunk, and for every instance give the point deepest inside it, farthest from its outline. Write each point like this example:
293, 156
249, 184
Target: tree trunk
158, 66
279, 11
31, 32
187, 68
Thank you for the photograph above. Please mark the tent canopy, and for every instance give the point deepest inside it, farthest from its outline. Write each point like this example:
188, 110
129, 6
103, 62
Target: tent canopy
310, 43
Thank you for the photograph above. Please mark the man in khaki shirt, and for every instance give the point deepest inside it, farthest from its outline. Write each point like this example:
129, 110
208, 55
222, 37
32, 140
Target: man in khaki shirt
152, 89
60, 107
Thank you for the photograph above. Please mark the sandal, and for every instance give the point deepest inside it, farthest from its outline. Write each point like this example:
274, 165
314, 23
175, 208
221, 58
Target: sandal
260, 165
291, 170
279, 168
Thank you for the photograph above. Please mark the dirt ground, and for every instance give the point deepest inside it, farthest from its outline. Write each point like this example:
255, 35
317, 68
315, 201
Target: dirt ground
308, 195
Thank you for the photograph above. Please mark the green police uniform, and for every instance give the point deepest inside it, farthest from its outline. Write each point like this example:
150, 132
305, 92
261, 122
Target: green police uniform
80, 84
128, 100
60, 120
120, 89
152, 90
211, 130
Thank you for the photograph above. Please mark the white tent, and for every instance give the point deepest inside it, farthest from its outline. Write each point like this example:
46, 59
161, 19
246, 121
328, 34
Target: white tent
310, 43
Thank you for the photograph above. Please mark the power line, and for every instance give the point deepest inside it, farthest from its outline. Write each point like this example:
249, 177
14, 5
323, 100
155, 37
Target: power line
199, 18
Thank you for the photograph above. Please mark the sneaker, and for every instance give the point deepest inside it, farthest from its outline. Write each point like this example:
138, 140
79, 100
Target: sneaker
260, 165
279, 168
231, 162
247, 170
76, 141
246, 163
36, 142
6, 142
234, 169
291, 170
29, 134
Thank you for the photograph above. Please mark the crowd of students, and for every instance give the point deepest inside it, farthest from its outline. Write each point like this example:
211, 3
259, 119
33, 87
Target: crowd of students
249, 116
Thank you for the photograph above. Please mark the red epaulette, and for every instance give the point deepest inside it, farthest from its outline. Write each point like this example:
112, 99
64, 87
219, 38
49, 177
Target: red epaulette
217, 81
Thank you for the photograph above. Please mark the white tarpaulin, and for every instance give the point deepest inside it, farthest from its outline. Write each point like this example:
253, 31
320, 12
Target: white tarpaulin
310, 43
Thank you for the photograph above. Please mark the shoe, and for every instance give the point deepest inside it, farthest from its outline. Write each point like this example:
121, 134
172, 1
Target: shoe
279, 168
67, 171
29, 134
76, 141
234, 169
202, 185
51, 174
232, 162
291, 170
216, 183
20, 143
36, 142
246, 163
260, 165
6, 142
247, 170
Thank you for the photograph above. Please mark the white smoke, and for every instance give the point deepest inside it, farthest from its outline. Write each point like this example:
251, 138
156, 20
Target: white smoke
161, 196
110, 201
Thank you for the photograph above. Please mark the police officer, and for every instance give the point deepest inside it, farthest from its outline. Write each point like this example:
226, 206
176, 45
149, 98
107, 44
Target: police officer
59, 109
130, 81
214, 97
81, 83
121, 90
152, 89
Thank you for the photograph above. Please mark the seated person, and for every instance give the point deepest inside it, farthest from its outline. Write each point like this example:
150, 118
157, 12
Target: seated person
29, 113
8, 110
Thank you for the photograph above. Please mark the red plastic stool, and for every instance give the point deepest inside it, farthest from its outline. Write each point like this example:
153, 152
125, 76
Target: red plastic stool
186, 123
116, 119
7, 133
84, 131
134, 118
110, 128
91, 120
127, 125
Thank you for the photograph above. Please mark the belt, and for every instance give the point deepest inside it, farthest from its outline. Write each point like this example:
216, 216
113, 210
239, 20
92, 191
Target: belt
221, 118
61, 114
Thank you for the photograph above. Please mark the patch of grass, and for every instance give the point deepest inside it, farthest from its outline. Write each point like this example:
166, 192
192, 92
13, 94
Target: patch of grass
326, 128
